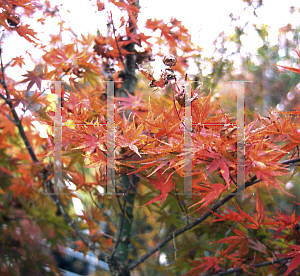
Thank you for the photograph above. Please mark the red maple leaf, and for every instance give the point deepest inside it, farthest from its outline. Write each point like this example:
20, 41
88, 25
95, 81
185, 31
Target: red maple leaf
285, 221
240, 241
27, 33
18, 61
132, 101
213, 191
295, 254
164, 185
33, 78
223, 164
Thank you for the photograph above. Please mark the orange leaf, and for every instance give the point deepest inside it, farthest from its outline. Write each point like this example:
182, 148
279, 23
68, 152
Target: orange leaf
260, 211
27, 33
100, 5
163, 185
18, 61
296, 258
33, 78
214, 192
289, 68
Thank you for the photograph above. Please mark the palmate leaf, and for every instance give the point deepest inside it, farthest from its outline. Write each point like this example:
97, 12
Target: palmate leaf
132, 101
165, 186
27, 33
259, 208
33, 78
203, 265
223, 164
55, 56
18, 61
213, 191
295, 255
283, 221
240, 217
240, 241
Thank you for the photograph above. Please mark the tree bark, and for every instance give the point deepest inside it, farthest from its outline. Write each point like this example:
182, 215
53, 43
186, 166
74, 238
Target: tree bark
128, 186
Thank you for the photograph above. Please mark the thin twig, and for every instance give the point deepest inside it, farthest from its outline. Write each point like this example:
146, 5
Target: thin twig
101, 209
267, 246
121, 226
3, 82
181, 231
175, 248
119, 50
117, 195
183, 211
222, 244
216, 206
237, 269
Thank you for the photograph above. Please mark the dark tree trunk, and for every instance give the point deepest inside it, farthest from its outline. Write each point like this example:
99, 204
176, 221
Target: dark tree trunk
120, 262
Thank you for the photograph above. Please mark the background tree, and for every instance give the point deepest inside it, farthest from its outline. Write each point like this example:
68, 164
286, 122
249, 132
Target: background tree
270, 85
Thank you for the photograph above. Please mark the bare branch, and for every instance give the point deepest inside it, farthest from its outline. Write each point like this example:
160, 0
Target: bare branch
3, 83
216, 206
121, 225
237, 269
114, 31
101, 209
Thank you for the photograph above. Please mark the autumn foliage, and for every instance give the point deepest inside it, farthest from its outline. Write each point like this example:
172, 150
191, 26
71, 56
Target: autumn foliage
219, 229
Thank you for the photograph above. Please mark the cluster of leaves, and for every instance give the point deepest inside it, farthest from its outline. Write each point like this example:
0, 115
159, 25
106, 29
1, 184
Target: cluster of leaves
149, 144
153, 149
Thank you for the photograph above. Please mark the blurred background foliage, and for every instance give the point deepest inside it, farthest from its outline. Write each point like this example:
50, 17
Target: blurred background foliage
270, 86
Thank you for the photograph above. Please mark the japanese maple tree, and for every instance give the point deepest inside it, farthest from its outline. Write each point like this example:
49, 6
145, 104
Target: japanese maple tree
219, 228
